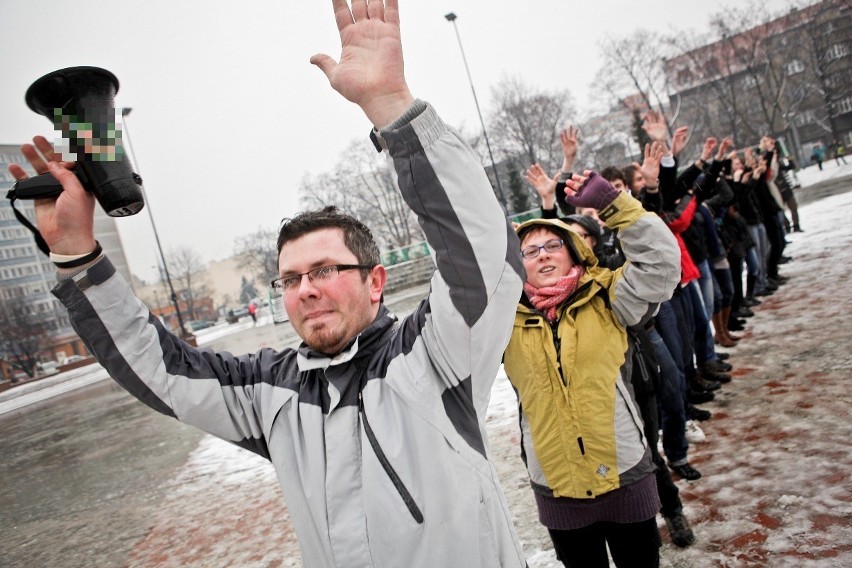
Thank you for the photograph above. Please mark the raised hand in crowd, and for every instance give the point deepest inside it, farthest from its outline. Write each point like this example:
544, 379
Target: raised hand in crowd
589, 190
544, 185
726, 144
679, 139
568, 139
655, 126
650, 167
750, 162
707, 150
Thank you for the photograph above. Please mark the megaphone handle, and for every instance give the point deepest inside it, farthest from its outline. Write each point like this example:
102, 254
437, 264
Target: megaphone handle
39, 187
42, 186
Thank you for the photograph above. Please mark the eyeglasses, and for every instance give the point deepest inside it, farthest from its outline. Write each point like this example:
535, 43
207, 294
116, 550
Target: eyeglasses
316, 276
534, 250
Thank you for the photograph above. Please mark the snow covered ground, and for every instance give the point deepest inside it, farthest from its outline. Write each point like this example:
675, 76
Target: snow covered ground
776, 489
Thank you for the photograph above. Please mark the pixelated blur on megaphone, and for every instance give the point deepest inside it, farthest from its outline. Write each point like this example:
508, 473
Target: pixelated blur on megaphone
79, 102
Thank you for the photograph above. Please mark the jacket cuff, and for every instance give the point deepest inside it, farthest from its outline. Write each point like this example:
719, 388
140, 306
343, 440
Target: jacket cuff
623, 211
382, 138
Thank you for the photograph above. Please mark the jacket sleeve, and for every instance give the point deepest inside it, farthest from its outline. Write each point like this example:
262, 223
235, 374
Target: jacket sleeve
686, 180
215, 392
722, 195
679, 219
652, 201
668, 181
478, 281
652, 270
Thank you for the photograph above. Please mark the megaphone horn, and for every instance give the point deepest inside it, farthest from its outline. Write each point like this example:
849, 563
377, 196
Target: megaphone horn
79, 101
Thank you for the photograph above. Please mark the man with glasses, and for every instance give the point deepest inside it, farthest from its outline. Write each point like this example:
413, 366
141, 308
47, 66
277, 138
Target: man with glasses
375, 427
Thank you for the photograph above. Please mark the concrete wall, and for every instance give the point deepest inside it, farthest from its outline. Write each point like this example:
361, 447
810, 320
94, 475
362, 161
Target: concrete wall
411, 273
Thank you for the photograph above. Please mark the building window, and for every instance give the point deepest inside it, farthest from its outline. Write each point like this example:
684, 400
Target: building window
794, 67
837, 51
843, 105
804, 117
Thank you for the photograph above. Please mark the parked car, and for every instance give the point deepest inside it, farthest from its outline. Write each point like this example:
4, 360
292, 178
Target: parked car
195, 325
235, 314
47, 367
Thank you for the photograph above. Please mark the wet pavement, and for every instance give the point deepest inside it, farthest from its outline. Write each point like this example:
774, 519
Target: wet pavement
82, 474
87, 471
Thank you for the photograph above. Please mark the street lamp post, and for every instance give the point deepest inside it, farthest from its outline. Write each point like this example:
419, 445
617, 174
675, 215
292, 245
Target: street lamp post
451, 17
126, 137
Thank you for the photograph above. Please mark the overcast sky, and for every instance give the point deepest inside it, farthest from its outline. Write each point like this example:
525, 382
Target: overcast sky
228, 115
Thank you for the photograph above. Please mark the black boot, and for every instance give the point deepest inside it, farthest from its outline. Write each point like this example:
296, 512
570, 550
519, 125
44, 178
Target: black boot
679, 530
750, 282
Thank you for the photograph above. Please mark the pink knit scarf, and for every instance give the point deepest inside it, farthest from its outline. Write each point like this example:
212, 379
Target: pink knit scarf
549, 298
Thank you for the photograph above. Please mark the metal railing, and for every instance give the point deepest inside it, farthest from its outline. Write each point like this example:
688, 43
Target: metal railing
421, 249
404, 254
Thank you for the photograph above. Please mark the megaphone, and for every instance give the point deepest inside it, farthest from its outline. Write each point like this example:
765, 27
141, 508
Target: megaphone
79, 101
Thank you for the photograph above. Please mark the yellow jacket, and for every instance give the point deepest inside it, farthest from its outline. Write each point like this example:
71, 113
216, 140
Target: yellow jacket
581, 429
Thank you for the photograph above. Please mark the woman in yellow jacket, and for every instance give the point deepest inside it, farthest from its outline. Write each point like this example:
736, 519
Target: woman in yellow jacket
569, 360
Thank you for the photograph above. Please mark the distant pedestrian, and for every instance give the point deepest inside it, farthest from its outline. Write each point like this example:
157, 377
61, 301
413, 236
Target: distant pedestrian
818, 154
839, 152
253, 313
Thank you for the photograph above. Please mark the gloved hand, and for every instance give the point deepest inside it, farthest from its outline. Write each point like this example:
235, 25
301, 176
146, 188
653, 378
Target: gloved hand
592, 191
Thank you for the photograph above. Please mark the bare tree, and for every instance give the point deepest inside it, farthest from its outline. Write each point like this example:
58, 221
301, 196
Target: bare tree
634, 73
256, 253
24, 334
755, 73
525, 122
186, 269
518, 190
362, 186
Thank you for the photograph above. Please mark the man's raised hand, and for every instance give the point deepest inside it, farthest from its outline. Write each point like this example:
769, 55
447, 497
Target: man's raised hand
370, 70
66, 222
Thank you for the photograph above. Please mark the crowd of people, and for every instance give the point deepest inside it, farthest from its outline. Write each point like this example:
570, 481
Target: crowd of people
725, 210
607, 313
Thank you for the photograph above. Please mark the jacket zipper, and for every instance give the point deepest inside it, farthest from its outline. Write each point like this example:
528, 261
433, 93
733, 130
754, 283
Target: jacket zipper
397, 482
558, 345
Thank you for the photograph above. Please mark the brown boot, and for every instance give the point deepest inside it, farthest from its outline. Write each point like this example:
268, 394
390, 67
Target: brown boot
723, 320
720, 337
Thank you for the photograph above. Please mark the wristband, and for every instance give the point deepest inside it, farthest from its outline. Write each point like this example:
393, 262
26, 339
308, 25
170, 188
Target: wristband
73, 261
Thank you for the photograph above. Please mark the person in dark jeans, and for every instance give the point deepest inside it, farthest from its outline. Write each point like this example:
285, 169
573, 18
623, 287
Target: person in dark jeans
647, 380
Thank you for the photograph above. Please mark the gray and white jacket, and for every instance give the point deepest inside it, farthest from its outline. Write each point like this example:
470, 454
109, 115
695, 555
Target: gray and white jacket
381, 451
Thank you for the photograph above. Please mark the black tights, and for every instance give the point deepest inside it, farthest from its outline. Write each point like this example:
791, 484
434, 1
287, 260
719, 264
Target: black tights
632, 545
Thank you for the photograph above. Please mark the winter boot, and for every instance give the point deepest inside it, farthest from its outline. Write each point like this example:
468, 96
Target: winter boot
719, 336
679, 530
724, 318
